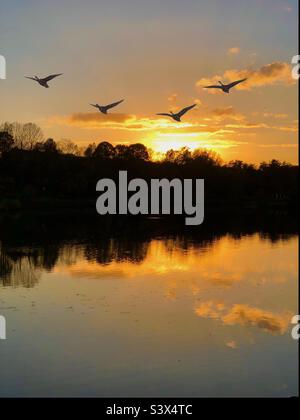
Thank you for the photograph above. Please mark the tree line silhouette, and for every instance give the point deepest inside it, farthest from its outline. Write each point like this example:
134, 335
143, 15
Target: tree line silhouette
38, 172
31, 243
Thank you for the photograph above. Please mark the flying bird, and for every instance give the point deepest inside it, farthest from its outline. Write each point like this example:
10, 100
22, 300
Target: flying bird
105, 108
225, 88
178, 115
44, 81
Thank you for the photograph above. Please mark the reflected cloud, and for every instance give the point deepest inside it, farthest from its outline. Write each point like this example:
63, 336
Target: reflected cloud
245, 315
231, 344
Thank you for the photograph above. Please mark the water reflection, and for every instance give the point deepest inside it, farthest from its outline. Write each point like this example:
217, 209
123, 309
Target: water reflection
145, 313
245, 315
21, 266
183, 263
18, 268
21, 260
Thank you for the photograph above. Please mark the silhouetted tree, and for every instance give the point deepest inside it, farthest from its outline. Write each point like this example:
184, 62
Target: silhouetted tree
89, 151
121, 151
273, 165
68, 147
206, 157
138, 151
31, 167
6, 142
50, 146
179, 157
104, 150
25, 135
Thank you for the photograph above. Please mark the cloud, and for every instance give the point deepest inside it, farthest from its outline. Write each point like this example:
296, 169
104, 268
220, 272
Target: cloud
97, 117
173, 98
210, 309
90, 120
281, 145
245, 315
231, 344
95, 121
259, 125
230, 119
227, 113
198, 102
216, 128
233, 50
276, 116
269, 74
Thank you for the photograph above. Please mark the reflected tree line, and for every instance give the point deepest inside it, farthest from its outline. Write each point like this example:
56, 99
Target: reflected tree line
42, 172
30, 246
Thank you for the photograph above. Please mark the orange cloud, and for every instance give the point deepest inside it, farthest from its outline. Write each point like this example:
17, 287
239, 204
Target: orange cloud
227, 113
231, 344
210, 309
91, 120
282, 145
96, 117
131, 123
97, 121
269, 74
276, 116
245, 315
233, 50
173, 98
258, 125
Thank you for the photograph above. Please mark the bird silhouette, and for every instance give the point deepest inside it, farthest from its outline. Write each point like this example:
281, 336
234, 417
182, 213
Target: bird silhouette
44, 81
178, 115
105, 108
225, 88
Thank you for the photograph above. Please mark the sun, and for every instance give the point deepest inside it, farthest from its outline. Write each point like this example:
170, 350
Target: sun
161, 143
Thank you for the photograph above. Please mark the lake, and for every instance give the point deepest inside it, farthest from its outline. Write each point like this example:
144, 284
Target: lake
163, 315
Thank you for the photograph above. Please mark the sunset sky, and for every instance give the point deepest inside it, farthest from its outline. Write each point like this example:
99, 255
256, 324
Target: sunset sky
156, 55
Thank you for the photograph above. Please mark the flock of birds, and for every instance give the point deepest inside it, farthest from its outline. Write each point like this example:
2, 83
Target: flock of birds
105, 108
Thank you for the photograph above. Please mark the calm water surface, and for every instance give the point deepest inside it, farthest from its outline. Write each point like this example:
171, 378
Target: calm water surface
166, 317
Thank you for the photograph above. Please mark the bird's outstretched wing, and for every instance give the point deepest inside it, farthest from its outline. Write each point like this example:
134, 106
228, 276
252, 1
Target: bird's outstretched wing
52, 76
213, 87
31, 78
114, 104
164, 114
184, 110
230, 85
94, 105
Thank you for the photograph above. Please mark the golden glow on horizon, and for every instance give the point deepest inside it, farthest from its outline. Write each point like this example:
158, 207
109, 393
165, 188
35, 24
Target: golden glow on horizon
225, 129
161, 143
161, 70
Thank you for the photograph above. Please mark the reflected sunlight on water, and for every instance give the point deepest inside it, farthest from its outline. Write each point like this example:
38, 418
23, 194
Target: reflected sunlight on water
162, 317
